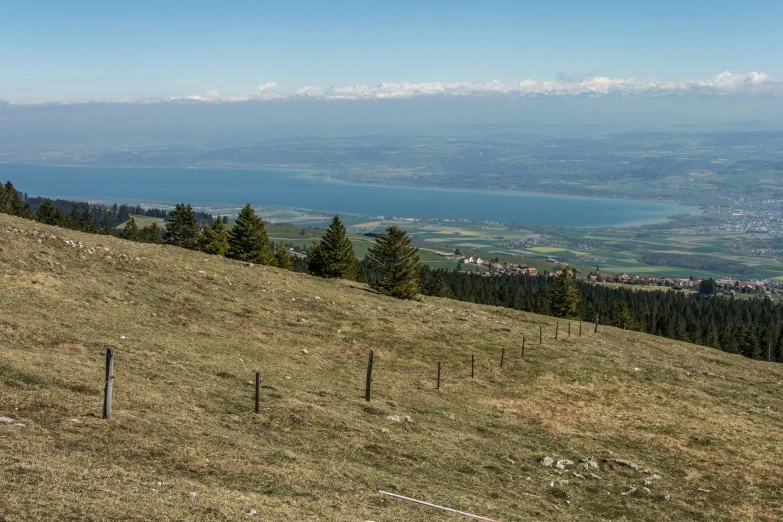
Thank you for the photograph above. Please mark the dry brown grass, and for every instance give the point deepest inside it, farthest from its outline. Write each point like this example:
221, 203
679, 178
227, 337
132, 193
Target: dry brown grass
191, 330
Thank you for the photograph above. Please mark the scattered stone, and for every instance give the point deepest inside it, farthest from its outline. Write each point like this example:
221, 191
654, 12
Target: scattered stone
394, 418
6, 420
546, 461
637, 369
588, 463
304, 351
632, 490
667, 496
595, 477
628, 464
578, 475
511, 461
705, 490
561, 464
76, 421
251, 265
287, 377
18, 425
407, 418
192, 495
252, 512
317, 298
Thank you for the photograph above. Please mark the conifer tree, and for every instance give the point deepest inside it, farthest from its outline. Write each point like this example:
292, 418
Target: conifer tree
396, 263
107, 228
48, 214
131, 230
152, 234
333, 256
74, 218
214, 238
565, 296
182, 230
248, 241
283, 258
88, 222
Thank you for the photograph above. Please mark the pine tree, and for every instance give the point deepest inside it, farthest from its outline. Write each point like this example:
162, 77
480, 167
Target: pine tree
214, 238
107, 228
88, 223
333, 256
74, 218
248, 241
48, 214
131, 230
283, 258
152, 234
396, 262
565, 296
182, 230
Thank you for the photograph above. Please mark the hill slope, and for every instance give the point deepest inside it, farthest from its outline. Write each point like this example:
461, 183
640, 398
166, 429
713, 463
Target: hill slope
191, 330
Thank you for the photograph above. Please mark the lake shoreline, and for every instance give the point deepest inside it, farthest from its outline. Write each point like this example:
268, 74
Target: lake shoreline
313, 190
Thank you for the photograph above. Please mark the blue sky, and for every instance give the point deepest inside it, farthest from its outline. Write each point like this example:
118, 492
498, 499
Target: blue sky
87, 50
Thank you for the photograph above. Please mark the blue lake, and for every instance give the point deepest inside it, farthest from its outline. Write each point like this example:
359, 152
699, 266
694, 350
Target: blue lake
298, 189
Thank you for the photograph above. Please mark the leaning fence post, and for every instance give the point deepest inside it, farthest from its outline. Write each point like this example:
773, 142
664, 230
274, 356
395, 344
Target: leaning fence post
258, 392
523, 348
472, 366
502, 356
439, 375
540, 335
368, 385
596, 323
109, 377
569, 329
557, 328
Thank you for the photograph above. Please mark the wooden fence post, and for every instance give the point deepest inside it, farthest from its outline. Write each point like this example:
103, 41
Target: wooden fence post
540, 335
439, 375
523, 348
472, 366
569, 329
258, 392
109, 378
502, 356
368, 386
769, 352
596, 323
557, 328
580, 328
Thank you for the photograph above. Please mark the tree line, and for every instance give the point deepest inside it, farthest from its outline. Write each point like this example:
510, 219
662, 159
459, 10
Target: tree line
750, 327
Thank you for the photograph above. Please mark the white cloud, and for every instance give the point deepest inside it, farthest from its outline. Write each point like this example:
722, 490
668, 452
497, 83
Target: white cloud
727, 82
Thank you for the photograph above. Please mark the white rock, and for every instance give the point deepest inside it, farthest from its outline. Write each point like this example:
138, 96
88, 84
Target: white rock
252, 512
394, 418
18, 425
6, 420
192, 495
287, 377
546, 461
76, 421
304, 351
561, 464
317, 298
637, 369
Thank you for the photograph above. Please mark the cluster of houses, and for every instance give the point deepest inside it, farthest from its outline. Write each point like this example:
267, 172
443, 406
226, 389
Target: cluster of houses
492, 268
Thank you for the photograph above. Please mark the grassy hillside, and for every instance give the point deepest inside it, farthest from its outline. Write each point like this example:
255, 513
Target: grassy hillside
191, 330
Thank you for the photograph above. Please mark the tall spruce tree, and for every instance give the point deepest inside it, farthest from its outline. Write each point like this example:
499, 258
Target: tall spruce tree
74, 218
214, 238
131, 231
88, 222
283, 258
333, 256
107, 227
248, 241
565, 296
182, 230
48, 214
396, 264
152, 234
